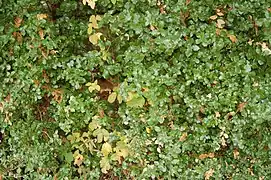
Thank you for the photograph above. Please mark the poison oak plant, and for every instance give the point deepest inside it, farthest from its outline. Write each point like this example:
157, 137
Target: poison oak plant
137, 89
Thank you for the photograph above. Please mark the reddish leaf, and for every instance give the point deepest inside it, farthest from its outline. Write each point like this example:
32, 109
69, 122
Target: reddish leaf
18, 22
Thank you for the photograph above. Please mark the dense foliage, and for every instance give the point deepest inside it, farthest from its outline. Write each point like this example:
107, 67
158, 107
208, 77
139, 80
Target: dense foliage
135, 89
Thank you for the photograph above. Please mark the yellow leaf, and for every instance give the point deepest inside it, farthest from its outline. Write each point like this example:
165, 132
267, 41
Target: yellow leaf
98, 18
93, 86
89, 28
41, 16
119, 98
112, 97
220, 23
94, 22
94, 38
106, 149
148, 130
91, 3
104, 164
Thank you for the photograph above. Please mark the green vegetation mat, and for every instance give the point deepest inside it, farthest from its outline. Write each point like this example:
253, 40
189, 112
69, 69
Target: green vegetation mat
135, 89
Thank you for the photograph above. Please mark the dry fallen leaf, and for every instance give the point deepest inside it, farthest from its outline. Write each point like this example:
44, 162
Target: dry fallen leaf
183, 137
41, 34
235, 154
241, 106
78, 160
208, 174
18, 22
7, 99
57, 95
1, 107
209, 155
220, 23
214, 17
187, 2
232, 38
42, 16
269, 9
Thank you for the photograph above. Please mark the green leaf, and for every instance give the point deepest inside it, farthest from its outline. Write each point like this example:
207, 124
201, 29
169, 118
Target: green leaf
69, 157
101, 134
113, 1
135, 100
93, 125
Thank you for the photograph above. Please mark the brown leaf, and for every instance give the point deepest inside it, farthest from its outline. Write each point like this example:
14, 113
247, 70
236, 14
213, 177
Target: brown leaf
101, 113
183, 137
162, 9
7, 99
230, 115
18, 22
209, 155
45, 76
57, 95
42, 16
36, 82
1, 107
235, 154
241, 106
269, 9
78, 160
217, 32
209, 173
41, 34
187, 2
18, 36
232, 38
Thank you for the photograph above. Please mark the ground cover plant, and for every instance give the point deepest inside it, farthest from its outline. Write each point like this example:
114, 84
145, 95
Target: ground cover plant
135, 89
